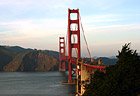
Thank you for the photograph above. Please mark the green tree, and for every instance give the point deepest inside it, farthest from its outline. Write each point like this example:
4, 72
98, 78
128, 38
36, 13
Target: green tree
121, 79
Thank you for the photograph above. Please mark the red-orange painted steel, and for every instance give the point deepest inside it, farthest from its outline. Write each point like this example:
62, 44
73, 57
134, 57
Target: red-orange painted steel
95, 66
70, 33
61, 53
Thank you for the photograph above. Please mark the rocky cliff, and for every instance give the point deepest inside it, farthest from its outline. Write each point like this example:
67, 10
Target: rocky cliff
37, 61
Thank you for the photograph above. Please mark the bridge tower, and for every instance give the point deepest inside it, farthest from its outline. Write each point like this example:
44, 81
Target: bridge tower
62, 54
71, 32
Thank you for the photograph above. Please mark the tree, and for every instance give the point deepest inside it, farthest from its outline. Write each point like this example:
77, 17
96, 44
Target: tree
121, 79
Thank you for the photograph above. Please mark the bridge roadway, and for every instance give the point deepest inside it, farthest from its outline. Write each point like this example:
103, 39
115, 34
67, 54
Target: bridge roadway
89, 66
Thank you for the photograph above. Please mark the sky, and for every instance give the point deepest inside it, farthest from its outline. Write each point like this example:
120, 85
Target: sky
108, 24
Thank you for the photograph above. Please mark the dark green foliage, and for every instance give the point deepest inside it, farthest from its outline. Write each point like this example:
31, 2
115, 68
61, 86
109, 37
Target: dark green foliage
18, 49
5, 57
121, 79
51, 53
29, 61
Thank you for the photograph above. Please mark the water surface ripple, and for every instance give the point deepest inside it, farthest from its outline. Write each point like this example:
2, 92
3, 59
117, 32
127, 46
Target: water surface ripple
35, 84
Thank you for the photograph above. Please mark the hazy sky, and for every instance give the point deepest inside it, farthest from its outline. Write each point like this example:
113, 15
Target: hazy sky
108, 24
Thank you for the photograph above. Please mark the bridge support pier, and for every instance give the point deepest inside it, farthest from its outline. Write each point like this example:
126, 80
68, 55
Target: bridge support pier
70, 73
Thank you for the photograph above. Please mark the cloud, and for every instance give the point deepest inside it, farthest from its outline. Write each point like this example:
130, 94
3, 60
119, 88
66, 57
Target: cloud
107, 48
111, 28
108, 43
106, 40
34, 4
20, 7
93, 19
95, 5
28, 29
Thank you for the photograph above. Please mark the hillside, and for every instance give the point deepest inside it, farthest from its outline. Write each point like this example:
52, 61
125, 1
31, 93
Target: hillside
19, 49
25, 60
32, 61
6, 57
37, 61
15, 63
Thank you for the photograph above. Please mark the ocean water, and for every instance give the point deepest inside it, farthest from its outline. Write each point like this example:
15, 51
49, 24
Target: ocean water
35, 84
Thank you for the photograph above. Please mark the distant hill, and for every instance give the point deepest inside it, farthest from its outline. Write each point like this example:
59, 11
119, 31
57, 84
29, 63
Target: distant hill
51, 53
19, 49
31, 61
105, 60
15, 63
19, 59
112, 57
108, 61
38, 61
6, 57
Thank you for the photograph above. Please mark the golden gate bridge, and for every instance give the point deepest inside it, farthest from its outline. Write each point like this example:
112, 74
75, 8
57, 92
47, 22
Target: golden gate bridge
82, 69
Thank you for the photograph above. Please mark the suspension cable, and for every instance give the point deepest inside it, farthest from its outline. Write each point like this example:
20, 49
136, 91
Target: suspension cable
84, 37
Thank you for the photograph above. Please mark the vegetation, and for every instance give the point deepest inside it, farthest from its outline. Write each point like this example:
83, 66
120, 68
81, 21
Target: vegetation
5, 57
121, 79
16, 62
19, 49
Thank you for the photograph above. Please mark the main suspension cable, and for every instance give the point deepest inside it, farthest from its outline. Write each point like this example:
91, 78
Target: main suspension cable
84, 37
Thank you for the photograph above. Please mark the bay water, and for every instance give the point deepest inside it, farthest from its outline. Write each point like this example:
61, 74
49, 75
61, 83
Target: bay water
35, 84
